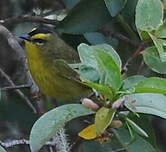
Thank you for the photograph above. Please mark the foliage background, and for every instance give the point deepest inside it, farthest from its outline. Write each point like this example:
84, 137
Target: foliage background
16, 118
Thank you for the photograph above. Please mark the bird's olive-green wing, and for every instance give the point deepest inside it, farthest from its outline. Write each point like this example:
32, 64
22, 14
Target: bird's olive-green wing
62, 69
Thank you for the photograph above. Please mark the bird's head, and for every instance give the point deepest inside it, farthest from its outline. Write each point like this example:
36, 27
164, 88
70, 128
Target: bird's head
40, 38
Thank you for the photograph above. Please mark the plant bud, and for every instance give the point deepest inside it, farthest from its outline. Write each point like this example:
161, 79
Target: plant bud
90, 104
116, 124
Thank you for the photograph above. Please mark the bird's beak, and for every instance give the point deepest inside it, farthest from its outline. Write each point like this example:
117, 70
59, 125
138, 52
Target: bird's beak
25, 37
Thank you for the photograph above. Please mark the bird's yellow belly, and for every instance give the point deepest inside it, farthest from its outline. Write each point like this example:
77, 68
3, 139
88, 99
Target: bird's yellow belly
53, 85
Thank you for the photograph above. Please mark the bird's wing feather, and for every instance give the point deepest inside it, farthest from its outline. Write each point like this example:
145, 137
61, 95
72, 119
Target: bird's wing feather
62, 69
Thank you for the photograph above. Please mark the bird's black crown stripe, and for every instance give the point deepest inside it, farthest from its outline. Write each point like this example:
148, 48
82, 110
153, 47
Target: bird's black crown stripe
39, 30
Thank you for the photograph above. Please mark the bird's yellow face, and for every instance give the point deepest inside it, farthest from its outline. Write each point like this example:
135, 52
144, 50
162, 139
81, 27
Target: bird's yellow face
40, 41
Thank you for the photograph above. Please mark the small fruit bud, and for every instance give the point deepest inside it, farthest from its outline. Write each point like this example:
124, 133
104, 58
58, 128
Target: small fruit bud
90, 104
116, 124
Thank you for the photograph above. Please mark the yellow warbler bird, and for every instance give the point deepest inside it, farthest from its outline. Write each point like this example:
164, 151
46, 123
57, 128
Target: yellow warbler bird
47, 55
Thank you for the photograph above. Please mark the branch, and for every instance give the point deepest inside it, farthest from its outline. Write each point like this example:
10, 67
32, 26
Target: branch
20, 56
140, 48
20, 93
119, 36
28, 18
16, 87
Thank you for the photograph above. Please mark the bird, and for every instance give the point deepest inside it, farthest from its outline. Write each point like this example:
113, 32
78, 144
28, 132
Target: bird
48, 59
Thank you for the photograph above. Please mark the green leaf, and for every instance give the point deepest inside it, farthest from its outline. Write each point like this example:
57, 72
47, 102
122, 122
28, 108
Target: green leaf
95, 38
148, 103
128, 11
138, 145
136, 128
152, 59
103, 119
89, 73
159, 45
149, 14
104, 90
2, 149
87, 54
115, 6
86, 16
145, 122
161, 31
151, 85
109, 70
131, 81
109, 49
144, 35
47, 125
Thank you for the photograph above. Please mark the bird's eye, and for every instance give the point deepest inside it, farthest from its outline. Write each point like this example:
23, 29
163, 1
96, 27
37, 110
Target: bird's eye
39, 41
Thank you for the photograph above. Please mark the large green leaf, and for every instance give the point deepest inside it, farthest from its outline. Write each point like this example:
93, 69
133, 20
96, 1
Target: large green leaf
131, 81
106, 91
2, 149
152, 59
89, 73
159, 45
149, 14
115, 6
148, 103
47, 125
109, 70
87, 54
109, 49
138, 145
151, 85
103, 119
86, 16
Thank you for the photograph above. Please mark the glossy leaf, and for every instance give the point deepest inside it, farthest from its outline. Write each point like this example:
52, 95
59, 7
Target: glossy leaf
139, 144
152, 59
88, 132
109, 49
159, 45
109, 70
104, 90
149, 14
136, 128
47, 125
148, 103
151, 85
131, 81
89, 73
87, 54
115, 6
86, 16
103, 119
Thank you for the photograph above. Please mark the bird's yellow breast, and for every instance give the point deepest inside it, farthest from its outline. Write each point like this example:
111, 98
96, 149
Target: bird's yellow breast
44, 74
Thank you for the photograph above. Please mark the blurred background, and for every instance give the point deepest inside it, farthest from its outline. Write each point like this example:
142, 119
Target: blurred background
16, 117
